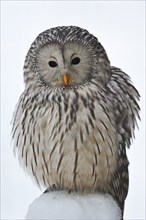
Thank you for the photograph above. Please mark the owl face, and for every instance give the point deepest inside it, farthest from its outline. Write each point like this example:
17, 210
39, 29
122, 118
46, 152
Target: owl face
64, 65
65, 57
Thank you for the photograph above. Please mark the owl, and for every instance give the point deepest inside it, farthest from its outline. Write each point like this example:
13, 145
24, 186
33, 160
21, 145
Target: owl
76, 116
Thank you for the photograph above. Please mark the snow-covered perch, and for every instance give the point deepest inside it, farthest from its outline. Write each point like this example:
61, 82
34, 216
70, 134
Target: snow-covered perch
63, 205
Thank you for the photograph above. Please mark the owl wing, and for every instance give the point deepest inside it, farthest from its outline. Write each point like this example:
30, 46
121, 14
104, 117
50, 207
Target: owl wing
119, 184
125, 98
126, 111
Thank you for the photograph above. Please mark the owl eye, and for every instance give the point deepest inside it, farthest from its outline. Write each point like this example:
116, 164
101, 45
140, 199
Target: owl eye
75, 61
52, 63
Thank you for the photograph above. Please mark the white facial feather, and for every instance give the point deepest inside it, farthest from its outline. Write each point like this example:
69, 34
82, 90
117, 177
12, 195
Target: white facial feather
63, 56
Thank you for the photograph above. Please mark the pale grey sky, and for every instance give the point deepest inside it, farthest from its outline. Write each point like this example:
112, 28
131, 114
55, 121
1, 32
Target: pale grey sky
119, 26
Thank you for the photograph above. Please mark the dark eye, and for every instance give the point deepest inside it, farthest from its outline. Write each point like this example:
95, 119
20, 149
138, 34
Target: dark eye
75, 61
52, 63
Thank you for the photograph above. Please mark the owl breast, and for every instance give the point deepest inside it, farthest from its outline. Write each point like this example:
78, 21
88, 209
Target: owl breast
72, 144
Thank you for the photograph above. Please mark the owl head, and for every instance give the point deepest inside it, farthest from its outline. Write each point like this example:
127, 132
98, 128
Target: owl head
66, 57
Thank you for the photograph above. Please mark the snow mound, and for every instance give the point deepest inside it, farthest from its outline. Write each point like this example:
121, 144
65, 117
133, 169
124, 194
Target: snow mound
64, 205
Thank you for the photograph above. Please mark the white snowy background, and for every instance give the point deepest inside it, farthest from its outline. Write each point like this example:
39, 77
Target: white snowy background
119, 26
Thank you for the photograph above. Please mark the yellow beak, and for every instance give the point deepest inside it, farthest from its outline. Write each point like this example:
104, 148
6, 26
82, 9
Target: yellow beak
66, 79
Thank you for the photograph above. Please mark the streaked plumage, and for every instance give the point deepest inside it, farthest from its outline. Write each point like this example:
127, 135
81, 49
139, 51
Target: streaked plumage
71, 131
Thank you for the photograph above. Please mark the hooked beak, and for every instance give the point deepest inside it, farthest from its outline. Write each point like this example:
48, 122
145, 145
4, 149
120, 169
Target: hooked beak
65, 79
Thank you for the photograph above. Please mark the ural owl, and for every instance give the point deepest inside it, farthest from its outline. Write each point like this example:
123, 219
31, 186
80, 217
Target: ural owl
76, 116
